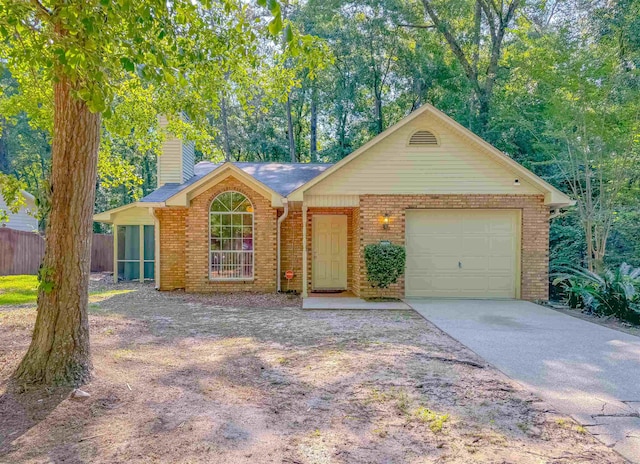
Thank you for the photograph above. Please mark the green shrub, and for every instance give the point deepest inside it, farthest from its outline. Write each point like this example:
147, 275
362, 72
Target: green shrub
612, 293
385, 263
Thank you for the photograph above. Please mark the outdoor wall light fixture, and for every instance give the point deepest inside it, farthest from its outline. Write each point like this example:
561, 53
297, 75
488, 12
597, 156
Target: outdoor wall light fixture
385, 221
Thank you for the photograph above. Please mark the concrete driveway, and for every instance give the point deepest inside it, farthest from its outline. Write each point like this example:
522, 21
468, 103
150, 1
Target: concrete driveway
583, 369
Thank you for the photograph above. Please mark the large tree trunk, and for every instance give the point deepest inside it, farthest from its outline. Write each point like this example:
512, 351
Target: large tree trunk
379, 127
313, 139
4, 153
225, 128
292, 140
59, 351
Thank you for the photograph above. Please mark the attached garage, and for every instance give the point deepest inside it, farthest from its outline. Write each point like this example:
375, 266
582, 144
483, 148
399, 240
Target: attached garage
468, 253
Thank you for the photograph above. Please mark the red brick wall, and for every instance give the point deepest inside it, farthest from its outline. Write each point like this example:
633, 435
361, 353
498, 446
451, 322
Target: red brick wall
197, 242
355, 251
534, 232
291, 248
172, 246
184, 240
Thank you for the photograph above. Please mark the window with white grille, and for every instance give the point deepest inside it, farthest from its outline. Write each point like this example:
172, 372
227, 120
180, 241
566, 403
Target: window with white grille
423, 138
231, 237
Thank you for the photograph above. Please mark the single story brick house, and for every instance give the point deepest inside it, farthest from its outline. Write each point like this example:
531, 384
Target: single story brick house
474, 222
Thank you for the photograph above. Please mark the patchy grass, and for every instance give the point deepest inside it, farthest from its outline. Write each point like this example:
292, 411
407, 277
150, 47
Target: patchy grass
23, 289
435, 420
192, 378
18, 289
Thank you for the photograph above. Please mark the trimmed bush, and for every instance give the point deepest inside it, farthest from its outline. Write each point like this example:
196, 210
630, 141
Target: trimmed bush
385, 263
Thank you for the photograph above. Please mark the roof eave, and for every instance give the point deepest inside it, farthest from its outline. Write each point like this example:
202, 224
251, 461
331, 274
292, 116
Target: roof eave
106, 217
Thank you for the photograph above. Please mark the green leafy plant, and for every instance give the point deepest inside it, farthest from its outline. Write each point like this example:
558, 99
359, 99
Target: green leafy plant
435, 420
612, 293
385, 263
45, 279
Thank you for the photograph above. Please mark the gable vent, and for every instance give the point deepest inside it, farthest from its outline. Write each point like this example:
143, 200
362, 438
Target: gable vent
422, 138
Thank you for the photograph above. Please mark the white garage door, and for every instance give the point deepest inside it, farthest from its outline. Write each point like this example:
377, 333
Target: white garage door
462, 253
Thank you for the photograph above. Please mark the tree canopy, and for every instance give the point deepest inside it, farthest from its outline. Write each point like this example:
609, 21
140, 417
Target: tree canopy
554, 84
92, 77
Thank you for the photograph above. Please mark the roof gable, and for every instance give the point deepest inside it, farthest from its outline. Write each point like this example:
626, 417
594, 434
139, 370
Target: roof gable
277, 178
460, 162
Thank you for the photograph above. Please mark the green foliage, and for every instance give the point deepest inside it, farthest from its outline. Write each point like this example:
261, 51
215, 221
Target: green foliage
138, 60
10, 188
385, 263
612, 293
45, 279
565, 102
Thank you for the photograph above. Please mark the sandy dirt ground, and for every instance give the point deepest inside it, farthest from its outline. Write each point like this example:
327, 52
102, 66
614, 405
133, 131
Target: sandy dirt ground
254, 379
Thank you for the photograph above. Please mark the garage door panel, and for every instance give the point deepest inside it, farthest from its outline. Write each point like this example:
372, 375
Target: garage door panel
429, 284
444, 282
474, 263
475, 224
499, 283
473, 282
505, 224
501, 265
462, 253
436, 226
502, 245
426, 265
472, 246
432, 244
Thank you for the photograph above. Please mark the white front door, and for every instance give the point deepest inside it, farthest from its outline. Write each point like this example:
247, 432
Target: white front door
329, 246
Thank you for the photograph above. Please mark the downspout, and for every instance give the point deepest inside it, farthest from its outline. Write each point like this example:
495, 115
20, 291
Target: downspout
156, 239
281, 219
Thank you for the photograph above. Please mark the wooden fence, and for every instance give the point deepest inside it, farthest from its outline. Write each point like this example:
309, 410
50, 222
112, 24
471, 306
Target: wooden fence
102, 253
21, 252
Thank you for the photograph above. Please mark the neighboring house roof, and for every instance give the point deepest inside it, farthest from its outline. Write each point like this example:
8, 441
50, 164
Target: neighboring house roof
282, 178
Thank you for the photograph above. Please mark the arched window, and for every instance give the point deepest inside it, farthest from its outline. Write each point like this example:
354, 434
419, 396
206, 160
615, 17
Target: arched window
231, 237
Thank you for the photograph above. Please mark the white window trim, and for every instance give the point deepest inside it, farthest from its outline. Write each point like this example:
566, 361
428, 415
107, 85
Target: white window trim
253, 241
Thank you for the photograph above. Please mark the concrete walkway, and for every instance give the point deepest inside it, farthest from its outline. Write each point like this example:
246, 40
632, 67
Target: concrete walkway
583, 369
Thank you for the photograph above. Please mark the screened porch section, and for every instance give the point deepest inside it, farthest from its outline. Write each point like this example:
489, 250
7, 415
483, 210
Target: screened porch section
136, 252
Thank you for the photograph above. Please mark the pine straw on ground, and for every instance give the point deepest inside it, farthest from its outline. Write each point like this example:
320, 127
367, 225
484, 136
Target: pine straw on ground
254, 379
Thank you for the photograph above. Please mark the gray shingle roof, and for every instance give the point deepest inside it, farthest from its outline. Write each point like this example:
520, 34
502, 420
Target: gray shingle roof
283, 178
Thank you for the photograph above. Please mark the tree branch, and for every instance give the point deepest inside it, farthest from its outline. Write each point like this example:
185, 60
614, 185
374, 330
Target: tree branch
453, 44
44, 11
418, 26
488, 12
